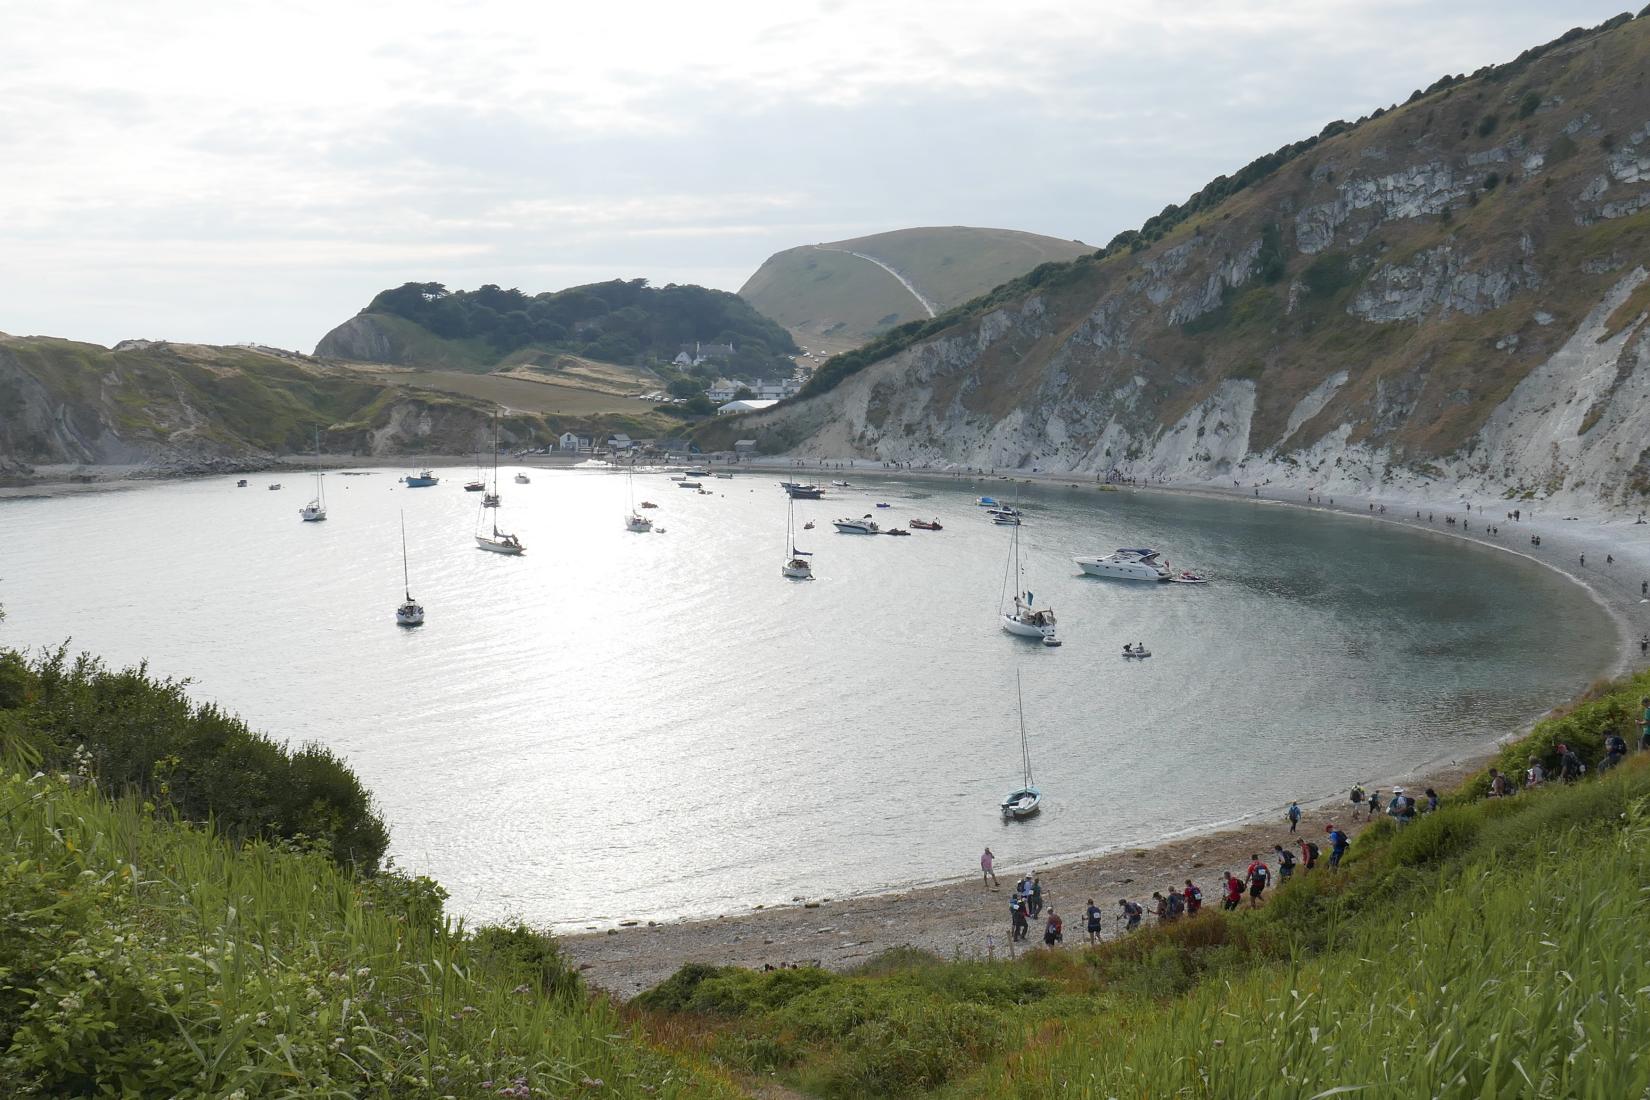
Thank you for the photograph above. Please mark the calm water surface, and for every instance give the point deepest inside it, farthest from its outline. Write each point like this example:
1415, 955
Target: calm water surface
623, 725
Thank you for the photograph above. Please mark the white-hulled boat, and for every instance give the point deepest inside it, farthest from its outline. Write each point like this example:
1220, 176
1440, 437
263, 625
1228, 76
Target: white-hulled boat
316, 510
864, 526
274, 485
499, 542
411, 612
1136, 650
1024, 619
1004, 519
523, 479
634, 520
797, 566
1127, 565
1027, 799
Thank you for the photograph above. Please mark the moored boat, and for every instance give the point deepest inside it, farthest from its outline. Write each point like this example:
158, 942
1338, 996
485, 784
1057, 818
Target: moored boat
927, 525
1024, 618
1027, 799
1143, 564
865, 526
421, 480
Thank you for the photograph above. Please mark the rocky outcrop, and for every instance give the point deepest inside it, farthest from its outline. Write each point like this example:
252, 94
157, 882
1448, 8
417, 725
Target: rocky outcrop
361, 339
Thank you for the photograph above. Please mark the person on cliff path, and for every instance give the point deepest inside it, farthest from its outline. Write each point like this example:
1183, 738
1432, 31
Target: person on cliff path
1309, 854
987, 874
1570, 766
1432, 800
1131, 914
1337, 846
1234, 891
1294, 815
1357, 797
1286, 862
1092, 913
1644, 724
1259, 875
1053, 931
1194, 899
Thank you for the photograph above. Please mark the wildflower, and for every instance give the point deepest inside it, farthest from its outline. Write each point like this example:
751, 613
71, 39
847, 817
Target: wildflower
522, 988
364, 972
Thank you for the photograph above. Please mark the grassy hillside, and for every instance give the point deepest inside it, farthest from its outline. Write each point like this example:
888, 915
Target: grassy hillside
1488, 949
832, 300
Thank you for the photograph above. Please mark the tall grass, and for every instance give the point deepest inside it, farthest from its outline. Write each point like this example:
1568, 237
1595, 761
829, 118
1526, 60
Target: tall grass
150, 958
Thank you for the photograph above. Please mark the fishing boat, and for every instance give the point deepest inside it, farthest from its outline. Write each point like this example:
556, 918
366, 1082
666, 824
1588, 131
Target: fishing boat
411, 612
421, 480
1024, 619
797, 566
864, 526
1027, 799
499, 542
316, 510
927, 525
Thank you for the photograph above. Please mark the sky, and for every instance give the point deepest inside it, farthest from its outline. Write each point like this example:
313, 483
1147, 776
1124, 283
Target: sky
227, 173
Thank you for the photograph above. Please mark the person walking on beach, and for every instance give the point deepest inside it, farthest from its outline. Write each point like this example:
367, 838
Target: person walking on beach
1092, 913
1017, 910
1194, 899
1357, 797
986, 872
1036, 897
1131, 914
1053, 931
1337, 846
1234, 891
1259, 875
1294, 815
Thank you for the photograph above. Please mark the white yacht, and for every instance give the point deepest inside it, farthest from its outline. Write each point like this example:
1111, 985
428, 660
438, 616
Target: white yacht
500, 543
411, 612
637, 522
1127, 565
1025, 619
866, 526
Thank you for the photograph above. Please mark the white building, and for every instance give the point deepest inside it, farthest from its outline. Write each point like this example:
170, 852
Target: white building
573, 444
744, 407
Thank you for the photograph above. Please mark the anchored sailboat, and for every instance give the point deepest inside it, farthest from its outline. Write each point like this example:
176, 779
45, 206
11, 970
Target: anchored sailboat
316, 509
634, 520
411, 612
1025, 619
798, 566
1028, 798
499, 542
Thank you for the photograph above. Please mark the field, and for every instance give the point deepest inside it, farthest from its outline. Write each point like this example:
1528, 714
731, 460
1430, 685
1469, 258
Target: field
515, 389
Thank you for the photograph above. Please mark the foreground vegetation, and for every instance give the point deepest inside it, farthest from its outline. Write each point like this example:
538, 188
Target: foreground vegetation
1488, 949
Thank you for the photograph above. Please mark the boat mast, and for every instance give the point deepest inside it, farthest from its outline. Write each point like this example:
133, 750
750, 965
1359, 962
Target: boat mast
405, 580
1025, 747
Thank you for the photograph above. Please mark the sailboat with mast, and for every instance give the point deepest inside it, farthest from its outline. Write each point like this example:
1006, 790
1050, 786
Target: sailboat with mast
1027, 799
499, 542
316, 510
411, 612
1025, 619
634, 520
797, 566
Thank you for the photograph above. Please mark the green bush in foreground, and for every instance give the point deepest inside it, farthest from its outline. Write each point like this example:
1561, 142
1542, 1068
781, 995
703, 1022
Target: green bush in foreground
134, 733
143, 957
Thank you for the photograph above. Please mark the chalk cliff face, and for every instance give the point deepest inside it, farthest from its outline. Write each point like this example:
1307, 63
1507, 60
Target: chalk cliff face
1451, 293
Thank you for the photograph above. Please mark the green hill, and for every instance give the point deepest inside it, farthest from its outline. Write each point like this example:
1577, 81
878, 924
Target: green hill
621, 322
832, 298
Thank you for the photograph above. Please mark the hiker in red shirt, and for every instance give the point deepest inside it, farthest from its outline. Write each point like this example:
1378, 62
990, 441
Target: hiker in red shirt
1234, 890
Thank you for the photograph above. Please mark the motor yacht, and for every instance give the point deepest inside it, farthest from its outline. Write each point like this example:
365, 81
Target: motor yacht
1127, 565
865, 526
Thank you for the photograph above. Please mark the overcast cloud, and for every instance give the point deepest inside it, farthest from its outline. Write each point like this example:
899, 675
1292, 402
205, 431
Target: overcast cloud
201, 170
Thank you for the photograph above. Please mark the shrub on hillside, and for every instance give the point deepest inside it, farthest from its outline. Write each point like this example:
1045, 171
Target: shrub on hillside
145, 735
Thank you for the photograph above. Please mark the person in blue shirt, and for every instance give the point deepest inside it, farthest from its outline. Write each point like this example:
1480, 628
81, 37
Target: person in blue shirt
1294, 815
1093, 915
1337, 845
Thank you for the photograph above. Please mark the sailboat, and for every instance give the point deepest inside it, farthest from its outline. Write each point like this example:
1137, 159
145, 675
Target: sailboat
410, 613
477, 485
1026, 620
1028, 798
316, 509
499, 542
634, 520
797, 567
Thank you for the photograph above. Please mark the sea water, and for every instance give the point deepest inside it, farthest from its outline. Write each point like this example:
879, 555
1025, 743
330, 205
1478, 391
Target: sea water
622, 725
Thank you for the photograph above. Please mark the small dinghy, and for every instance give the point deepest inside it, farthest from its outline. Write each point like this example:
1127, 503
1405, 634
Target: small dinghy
926, 525
1188, 577
897, 531
1136, 651
881, 505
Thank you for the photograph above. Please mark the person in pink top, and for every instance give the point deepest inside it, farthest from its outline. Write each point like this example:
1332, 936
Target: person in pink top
986, 860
